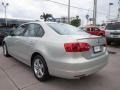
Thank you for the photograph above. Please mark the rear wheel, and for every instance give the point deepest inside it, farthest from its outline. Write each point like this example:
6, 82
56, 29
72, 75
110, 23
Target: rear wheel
39, 68
5, 51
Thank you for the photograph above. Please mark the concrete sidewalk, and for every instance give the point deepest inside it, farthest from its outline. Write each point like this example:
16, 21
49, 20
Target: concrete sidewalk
16, 76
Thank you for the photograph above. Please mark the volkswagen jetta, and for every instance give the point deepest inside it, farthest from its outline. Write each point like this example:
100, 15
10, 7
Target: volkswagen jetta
56, 49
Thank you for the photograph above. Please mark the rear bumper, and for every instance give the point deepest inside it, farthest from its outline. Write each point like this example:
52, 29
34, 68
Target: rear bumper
78, 69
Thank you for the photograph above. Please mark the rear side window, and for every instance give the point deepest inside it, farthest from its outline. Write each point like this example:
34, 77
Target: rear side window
20, 30
39, 32
65, 29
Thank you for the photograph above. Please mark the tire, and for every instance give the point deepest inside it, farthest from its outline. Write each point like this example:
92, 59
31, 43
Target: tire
40, 68
5, 50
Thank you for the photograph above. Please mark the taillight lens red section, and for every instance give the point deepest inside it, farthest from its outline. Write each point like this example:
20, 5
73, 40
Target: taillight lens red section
76, 47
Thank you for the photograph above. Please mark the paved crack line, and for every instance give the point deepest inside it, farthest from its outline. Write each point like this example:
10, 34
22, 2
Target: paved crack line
10, 78
29, 85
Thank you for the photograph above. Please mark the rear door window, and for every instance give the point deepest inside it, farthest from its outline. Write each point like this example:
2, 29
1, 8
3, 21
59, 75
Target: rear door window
34, 30
29, 30
20, 30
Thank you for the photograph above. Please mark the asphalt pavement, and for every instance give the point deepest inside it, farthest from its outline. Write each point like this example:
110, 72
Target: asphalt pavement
15, 75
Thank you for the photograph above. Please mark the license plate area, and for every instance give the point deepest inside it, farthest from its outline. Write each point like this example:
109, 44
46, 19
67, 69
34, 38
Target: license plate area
97, 49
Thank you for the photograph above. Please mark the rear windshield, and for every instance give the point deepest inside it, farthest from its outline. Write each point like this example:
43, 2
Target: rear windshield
66, 29
113, 26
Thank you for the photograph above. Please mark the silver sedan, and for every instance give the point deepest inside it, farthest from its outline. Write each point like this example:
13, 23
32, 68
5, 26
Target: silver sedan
56, 49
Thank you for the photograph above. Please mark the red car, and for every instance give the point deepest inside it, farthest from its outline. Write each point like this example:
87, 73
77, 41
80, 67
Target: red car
94, 31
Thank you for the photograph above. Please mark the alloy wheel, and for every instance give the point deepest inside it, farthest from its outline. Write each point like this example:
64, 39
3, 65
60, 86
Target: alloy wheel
38, 68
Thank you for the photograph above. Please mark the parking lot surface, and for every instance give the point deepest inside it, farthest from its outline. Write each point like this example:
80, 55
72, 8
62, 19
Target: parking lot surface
14, 75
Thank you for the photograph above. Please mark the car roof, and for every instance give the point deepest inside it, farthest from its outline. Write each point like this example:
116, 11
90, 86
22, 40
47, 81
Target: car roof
40, 22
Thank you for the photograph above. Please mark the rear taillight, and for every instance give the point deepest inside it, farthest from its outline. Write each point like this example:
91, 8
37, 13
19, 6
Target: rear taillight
76, 47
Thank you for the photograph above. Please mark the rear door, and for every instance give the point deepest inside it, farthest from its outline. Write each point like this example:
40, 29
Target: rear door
33, 34
14, 42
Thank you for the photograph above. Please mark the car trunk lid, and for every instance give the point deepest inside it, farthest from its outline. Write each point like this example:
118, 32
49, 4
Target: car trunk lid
97, 46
